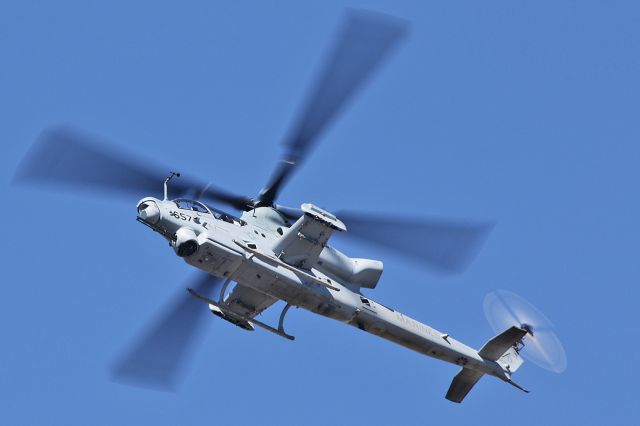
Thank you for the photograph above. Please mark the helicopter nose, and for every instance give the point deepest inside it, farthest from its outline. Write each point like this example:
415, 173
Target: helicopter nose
149, 212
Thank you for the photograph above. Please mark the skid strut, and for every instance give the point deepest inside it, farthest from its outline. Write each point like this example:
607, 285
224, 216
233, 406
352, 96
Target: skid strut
223, 290
281, 321
279, 331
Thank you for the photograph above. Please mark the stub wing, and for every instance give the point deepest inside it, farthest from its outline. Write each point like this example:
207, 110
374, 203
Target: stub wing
223, 311
247, 302
302, 243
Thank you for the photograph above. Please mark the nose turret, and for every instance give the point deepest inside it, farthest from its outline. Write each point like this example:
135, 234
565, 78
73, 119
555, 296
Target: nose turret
148, 211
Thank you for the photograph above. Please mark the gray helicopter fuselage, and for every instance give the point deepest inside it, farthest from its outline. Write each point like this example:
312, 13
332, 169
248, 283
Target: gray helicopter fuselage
241, 249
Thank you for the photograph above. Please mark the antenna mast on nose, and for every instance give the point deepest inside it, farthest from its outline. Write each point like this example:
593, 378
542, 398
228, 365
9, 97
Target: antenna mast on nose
166, 183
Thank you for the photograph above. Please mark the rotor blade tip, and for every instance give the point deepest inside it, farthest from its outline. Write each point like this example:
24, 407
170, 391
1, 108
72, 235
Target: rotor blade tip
378, 18
141, 378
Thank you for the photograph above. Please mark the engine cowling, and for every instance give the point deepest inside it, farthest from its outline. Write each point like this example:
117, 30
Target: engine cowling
186, 242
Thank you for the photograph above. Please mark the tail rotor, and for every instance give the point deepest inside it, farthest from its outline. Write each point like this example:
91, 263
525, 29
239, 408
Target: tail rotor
540, 345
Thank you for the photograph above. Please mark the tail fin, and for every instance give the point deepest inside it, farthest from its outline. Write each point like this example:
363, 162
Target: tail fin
462, 384
502, 349
500, 344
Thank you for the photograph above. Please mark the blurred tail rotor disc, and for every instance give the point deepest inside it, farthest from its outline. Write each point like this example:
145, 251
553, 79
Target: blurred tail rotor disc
504, 309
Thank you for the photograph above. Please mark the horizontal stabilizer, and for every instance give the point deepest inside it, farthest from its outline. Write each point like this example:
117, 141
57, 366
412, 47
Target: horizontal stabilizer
462, 384
497, 346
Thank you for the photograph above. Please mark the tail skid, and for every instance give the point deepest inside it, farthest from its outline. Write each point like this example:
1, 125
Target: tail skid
512, 383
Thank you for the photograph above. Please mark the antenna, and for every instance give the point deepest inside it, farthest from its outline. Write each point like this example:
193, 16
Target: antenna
166, 182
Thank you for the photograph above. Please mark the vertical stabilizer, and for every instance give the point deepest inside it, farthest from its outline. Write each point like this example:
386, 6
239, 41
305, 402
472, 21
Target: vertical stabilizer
502, 349
462, 384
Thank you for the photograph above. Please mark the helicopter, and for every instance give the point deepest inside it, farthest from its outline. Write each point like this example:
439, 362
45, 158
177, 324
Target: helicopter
269, 252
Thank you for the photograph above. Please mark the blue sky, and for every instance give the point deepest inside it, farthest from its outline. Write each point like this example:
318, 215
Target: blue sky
518, 112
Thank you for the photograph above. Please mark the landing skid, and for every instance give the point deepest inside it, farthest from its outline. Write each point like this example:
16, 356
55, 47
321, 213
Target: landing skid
279, 331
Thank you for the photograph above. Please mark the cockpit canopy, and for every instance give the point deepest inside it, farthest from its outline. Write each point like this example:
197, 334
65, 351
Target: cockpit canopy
193, 205
197, 206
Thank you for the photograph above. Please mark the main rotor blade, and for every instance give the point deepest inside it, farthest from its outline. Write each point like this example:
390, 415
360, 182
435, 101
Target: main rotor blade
360, 47
447, 246
71, 157
157, 358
